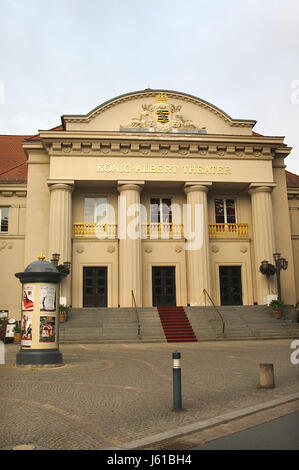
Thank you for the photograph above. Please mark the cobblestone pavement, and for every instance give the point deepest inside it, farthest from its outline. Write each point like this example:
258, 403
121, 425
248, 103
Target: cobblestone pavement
107, 395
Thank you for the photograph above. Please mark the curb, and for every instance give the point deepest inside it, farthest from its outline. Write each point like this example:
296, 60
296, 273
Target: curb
205, 424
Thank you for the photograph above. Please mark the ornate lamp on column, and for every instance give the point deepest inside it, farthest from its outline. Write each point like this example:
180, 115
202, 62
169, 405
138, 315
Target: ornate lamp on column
280, 263
269, 269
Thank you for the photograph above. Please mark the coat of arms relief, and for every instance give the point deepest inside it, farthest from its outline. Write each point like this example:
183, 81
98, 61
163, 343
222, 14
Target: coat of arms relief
162, 116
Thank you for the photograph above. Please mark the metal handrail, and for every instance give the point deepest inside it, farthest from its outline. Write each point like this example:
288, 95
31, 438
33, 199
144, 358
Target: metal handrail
134, 305
222, 320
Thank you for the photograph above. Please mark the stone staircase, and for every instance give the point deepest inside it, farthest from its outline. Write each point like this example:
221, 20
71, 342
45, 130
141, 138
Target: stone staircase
245, 322
104, 325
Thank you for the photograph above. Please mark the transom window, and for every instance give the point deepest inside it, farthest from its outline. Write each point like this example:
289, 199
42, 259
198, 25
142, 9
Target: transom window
95, 209
4, 219
225, 211
161, 210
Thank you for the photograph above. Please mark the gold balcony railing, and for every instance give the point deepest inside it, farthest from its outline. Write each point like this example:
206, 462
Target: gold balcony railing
158, 231
162, 231
228, 230
94, 229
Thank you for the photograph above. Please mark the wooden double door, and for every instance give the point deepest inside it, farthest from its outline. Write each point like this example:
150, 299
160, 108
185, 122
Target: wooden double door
95, 286
230, 285
163, 286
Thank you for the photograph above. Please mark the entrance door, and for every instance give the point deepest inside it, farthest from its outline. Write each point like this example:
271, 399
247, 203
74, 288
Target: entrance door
95, 287
163, 278
230, 285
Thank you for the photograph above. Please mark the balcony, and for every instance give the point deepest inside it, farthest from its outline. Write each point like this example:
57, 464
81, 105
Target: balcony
162, 231
158, 231
94, 229
152, 231
228, 230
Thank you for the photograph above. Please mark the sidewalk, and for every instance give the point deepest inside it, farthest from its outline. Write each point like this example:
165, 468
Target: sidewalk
108, 396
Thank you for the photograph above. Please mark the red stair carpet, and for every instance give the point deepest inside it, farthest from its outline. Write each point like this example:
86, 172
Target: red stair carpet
176, 325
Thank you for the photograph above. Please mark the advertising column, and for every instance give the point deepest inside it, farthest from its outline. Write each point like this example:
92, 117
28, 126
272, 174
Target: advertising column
40, 316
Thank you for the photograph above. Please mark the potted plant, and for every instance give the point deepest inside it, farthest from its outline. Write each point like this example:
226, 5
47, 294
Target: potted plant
63, 311
277, 307
17, 333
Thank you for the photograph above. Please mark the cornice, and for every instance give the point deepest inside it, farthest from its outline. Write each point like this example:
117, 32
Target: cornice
204, 146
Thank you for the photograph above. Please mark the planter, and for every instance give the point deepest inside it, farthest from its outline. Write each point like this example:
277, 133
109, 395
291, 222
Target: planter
17, 337
62, 317
277, 313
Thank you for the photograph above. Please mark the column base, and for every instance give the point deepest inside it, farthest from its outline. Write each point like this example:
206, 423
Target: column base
39, 357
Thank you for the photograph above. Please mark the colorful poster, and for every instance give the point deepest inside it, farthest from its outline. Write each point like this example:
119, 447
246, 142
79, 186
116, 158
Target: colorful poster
10, 328
28, 298
26, 331
48, 298
47, 329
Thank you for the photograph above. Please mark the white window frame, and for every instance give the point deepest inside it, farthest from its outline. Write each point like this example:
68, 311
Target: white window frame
224, 198
1, 208
100, 197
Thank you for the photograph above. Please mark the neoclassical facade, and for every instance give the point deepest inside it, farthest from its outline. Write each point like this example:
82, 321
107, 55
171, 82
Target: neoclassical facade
154, 192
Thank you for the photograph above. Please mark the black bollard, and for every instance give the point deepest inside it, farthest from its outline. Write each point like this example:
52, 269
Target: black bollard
177, 385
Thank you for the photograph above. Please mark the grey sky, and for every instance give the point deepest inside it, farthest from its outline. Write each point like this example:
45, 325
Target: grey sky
68, 56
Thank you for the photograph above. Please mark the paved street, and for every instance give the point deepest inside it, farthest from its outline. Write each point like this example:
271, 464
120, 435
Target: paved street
110, 395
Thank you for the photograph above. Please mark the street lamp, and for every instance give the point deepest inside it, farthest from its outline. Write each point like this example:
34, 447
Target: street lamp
269, 269
55, 259
280, 263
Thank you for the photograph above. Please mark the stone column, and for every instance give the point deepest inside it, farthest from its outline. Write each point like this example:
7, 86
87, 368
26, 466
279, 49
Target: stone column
129, 234
263, 237
60, 228
197, 248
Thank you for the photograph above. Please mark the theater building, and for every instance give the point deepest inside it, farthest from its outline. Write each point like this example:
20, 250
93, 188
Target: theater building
156, 192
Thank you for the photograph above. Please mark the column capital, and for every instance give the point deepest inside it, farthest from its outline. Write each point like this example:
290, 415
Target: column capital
261, 188
67, 185
130, 185
202, 187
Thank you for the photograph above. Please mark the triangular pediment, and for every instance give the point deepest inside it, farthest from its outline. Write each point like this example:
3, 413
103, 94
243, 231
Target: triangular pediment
158, 111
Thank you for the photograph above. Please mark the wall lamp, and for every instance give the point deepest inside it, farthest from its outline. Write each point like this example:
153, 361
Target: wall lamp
64, 268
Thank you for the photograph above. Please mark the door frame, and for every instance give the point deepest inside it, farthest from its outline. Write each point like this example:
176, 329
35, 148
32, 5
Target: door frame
240, 265
165, 265
109, 280
106, 286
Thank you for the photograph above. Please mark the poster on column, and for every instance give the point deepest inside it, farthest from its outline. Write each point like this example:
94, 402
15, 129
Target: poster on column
26, 330
28, 298
47, 329
47, 298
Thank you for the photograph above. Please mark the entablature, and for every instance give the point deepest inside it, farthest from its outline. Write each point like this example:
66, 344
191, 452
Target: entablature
96, 143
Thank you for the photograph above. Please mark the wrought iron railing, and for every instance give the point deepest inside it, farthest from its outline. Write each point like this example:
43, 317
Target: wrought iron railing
137, 319
216, 309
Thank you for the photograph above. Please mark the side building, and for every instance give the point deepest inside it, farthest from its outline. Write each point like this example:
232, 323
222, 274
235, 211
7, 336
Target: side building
156, 192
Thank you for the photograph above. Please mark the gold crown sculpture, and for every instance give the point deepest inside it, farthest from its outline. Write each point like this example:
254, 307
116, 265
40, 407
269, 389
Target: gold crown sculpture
161, 98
